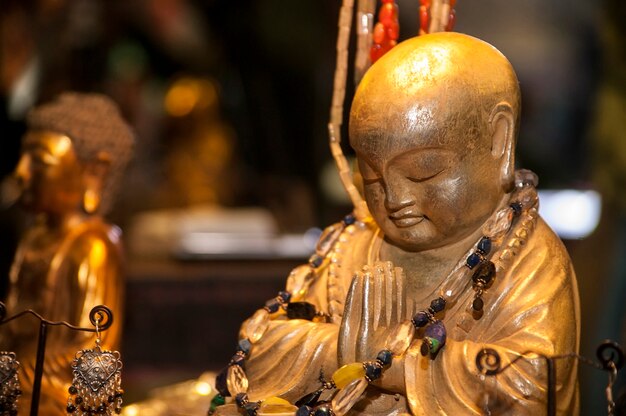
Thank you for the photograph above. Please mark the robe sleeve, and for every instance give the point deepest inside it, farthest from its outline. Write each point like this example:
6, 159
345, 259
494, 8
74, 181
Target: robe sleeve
532, 309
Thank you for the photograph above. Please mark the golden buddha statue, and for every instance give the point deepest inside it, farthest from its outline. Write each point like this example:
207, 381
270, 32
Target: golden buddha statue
453, 260
69, 260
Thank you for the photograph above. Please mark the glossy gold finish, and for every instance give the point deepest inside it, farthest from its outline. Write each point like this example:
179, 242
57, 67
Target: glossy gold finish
433, 124
66, 263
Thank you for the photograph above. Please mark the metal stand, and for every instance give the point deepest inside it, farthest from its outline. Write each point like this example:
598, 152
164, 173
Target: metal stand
609, 354
100, 315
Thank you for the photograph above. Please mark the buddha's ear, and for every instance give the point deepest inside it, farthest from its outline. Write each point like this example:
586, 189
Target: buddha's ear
96, 172
502, 128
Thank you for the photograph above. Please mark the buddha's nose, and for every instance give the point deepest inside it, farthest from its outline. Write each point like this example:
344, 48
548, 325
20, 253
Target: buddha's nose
397, 196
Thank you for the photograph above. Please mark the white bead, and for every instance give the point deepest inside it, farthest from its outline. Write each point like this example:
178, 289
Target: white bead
454, 285
236, 380
298, 281
497, 226
255, 327
328, 239
347, 397
399, 340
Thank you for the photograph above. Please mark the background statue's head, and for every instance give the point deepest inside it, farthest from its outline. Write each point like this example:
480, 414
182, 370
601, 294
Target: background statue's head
434, 124
73, 154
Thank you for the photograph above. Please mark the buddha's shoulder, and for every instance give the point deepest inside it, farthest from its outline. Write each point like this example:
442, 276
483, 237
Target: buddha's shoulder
93, 238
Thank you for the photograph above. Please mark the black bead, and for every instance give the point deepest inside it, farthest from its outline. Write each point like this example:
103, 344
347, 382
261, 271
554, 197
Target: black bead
241, 399
322, 411
78, 400
420, 319
316, 261
437, 305
484, 274
425, 348
385, 357
101, 409
244, 346
349, 219
478, 304
251, 408
310, 399
484, 245
304, 411
301, 310
373, 371
73, 390
473, 260
285, 296
71, 408
237, 359
220, 382
111, 399
272, 305
517, 208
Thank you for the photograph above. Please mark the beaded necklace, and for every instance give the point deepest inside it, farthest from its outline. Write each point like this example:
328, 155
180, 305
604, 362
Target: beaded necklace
351, 380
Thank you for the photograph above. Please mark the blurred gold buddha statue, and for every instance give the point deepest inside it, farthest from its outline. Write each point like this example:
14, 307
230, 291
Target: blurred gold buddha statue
69, 260
453, 259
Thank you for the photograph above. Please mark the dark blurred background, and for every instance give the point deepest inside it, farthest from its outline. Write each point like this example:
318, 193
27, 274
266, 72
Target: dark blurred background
229, 101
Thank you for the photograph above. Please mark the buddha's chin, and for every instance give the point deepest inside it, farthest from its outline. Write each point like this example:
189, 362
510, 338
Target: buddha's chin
416, 237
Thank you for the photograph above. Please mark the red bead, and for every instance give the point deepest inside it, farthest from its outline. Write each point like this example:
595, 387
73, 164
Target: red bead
379, 33
376, 52
451, 21
452, 3
388, 13
425, 3
424, 18
393, 31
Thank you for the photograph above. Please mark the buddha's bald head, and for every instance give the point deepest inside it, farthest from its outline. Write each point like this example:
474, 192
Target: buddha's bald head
442, 80
434, 124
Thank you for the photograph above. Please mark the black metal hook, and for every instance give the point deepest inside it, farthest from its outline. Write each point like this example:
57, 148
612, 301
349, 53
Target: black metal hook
610, 352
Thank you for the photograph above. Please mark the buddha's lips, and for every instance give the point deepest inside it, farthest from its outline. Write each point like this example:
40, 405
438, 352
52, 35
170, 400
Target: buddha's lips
403, 220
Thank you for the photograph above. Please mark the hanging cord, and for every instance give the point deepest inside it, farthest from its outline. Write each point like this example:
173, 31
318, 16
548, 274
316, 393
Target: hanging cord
336, 111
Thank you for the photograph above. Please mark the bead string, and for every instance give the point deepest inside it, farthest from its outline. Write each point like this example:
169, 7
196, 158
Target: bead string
351, 380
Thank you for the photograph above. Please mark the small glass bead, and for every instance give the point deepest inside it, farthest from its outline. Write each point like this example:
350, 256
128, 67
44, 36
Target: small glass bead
454, 285
420, 319
484, 245
254, 328
346, 374
237, 381
251, 408
527, 197
473, 260
237, 359
434, 338
497, 226
399, 340
385, 357
347, 397
298, 281
327, 239
438, 304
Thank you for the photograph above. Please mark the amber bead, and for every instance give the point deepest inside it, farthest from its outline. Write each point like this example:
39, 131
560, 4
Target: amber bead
424, 18
348, 373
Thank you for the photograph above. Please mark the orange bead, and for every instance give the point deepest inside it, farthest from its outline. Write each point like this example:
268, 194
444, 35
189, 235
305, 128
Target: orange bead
379, 33
425, 3
452, 3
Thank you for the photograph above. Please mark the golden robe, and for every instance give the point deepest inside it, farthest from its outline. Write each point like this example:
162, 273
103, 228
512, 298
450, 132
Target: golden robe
532, 307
